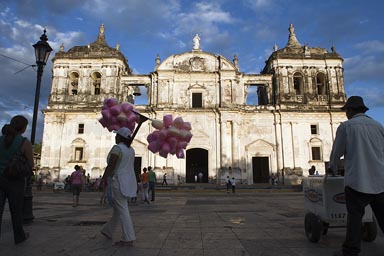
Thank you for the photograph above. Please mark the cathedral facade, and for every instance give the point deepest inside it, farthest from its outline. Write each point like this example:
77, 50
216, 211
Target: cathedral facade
291, 128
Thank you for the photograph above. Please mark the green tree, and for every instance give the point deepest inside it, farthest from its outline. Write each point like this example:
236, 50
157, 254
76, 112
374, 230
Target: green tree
37, 148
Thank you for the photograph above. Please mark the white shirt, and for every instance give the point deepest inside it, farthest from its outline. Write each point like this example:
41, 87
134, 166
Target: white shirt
125, 173
361, 141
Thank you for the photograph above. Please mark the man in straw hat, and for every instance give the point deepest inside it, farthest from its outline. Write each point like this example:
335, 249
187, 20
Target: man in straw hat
360, 140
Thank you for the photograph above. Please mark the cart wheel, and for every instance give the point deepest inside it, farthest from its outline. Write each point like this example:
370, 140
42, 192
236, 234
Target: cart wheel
369, 231
313, 227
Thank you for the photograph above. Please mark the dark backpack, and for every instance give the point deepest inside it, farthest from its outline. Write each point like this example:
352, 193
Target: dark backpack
18, 167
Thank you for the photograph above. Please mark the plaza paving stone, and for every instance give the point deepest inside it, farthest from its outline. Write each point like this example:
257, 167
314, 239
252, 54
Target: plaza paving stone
255, 222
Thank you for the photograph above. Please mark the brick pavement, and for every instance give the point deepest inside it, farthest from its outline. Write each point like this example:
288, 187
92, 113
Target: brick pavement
251, 222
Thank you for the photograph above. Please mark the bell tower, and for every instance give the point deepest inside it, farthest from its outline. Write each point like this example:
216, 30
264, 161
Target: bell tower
306, 76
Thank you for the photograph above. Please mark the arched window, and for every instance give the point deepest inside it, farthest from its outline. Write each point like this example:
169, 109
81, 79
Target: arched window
78, 147
73, 83
96, 83
320, 84
298, 83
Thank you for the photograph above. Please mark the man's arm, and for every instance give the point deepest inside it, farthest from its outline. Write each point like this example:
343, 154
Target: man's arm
338, 149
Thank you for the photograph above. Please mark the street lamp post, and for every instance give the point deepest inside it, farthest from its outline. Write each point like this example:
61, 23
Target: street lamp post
42, 51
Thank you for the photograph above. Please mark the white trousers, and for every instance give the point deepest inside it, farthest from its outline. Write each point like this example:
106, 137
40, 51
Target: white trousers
120, 215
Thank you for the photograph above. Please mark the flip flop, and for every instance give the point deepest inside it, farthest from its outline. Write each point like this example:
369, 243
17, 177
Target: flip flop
106, 235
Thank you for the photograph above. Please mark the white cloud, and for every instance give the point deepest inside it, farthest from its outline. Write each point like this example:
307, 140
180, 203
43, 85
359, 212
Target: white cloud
204, 14
363, 67
259, 4
69, 39
205, 19
138, 10
371, 47
19, 80
5, 12
98, 6
22, 23
373, 96
211, 13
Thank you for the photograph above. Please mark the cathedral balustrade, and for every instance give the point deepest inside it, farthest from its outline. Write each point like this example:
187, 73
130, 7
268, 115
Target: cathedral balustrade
86, 98
300, 98
322, 98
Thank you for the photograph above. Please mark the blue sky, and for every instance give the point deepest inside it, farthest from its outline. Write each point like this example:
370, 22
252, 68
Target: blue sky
248, 28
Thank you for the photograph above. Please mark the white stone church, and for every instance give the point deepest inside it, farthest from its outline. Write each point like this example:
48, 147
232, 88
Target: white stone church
292, 127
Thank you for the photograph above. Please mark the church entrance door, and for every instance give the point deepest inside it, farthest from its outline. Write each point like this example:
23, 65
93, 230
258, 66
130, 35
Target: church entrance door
196, 166
260, 168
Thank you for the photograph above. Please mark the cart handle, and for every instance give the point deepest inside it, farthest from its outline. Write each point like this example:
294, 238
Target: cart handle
329, 171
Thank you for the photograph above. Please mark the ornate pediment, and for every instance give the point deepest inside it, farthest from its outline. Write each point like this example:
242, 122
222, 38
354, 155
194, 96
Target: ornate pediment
196, 64
78, 141
196, 61
196, 86
260, 144
200, 134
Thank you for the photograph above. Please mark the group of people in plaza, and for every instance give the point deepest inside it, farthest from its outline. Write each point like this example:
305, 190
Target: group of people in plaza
146, 182
230, 184
360, 140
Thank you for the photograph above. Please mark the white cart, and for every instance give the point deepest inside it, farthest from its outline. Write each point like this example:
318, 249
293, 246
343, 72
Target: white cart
58, 186
324, 201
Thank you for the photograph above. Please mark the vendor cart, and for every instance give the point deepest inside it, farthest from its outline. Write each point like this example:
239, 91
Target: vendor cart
57, 186
324, 202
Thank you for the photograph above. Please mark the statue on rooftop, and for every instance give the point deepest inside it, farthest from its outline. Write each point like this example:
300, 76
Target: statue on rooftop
101, 30
196, 42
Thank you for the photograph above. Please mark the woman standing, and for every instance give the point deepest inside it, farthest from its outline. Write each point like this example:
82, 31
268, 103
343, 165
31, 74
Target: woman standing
77, 182
12, 142
120, 167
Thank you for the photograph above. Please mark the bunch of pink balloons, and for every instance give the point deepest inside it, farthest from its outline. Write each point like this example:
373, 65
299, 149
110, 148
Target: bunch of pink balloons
171, 136
117, 115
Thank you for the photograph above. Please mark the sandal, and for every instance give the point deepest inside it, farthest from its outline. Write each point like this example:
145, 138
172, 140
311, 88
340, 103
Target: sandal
123, 243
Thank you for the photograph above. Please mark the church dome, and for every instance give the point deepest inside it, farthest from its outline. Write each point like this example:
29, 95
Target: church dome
196, 61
